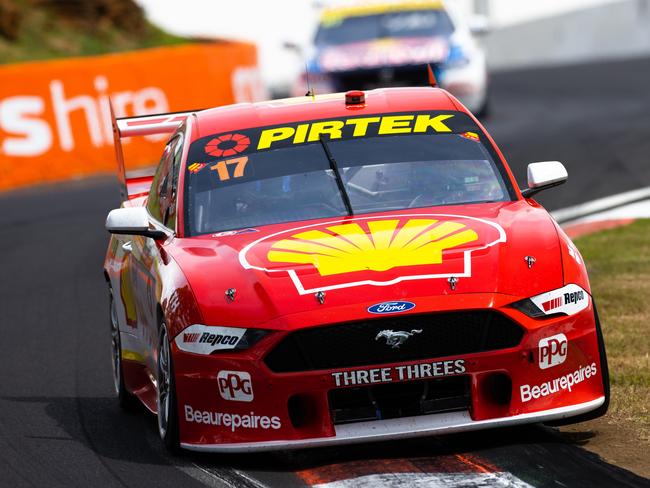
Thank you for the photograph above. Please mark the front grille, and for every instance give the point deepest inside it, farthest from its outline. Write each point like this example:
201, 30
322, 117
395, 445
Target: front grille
354, 344
396, 400
382, 78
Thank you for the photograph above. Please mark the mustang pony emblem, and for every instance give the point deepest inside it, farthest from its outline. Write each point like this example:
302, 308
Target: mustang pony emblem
396, 339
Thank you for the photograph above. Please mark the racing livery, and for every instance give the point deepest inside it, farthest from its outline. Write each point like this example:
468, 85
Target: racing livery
344, 268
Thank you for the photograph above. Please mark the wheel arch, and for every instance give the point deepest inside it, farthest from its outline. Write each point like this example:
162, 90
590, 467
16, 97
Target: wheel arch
604, 372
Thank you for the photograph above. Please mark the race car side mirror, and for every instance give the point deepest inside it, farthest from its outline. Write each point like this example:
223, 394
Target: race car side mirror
294, 47
544, 175
133, 221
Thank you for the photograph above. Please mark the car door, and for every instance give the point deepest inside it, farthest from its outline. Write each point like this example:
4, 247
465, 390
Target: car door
146, 260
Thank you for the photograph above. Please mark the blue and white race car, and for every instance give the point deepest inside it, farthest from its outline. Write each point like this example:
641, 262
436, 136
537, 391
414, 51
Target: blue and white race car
377, 45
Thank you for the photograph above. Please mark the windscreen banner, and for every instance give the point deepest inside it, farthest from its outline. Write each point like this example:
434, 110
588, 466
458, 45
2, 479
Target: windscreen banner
55, 118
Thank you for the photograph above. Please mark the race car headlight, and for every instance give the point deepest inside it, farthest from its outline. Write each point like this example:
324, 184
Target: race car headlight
568, 300
527, 307
250, 338
205, 339
457, 57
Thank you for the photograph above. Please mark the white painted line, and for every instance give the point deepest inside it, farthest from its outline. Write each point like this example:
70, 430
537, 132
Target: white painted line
249, 478
430, 480
638, 210
205, 476
218, 478
582, 210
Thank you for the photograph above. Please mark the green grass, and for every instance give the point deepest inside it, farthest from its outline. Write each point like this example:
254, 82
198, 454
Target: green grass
44, 34
618, 261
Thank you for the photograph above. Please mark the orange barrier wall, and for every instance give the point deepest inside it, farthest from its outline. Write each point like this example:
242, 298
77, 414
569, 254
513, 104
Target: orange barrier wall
54, 115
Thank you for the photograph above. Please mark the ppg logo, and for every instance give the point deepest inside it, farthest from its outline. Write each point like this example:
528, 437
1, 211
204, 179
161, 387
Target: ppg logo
552, 351
235, 385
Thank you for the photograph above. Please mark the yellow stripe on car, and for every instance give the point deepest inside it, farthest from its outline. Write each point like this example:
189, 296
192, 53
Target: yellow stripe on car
336, 15
132, 356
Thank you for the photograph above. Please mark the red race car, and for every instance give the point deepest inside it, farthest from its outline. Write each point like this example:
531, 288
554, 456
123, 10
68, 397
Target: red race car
345, 268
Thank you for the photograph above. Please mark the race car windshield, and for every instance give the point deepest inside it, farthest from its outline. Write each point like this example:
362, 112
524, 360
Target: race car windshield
415, 23
300, 181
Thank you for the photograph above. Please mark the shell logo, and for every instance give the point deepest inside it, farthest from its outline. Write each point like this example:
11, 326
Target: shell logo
374, 251
376, 246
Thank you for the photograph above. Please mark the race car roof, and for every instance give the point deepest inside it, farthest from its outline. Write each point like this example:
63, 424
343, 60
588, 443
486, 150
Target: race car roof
385, 100
337, 14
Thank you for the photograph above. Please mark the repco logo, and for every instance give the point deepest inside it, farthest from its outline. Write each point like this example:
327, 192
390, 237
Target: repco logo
235, 385
574, 297
552, 351
214, 339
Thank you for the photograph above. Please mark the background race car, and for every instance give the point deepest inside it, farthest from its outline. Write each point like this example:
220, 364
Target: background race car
388, 44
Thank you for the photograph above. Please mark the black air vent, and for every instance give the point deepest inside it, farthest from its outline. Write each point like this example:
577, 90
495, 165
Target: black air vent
354, 344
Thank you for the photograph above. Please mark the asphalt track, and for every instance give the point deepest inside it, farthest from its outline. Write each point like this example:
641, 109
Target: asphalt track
60, 425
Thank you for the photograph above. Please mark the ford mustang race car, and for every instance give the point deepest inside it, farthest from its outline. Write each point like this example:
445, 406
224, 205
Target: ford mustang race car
386, 44
345, 268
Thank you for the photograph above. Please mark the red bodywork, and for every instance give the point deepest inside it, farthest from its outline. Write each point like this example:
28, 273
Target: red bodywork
183, 281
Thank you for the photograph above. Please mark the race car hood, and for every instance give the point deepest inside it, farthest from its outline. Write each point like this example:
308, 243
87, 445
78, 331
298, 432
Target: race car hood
417, 255
388, 52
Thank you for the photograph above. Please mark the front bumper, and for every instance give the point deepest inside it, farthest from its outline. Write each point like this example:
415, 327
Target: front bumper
404, 428
231, 416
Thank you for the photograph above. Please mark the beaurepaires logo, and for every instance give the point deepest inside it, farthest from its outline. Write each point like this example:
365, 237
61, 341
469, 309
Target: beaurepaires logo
373, 251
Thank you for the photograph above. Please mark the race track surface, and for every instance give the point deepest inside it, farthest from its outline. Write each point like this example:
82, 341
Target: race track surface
59, 422
595, 118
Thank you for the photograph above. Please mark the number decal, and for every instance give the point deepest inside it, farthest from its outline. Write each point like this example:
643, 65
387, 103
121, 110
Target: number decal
222, 168
240, 165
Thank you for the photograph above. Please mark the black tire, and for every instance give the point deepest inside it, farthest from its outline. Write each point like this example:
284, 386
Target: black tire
604, 371
125, 398
168, 427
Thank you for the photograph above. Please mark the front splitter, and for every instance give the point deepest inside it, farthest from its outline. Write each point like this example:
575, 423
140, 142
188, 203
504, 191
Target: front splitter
403, 428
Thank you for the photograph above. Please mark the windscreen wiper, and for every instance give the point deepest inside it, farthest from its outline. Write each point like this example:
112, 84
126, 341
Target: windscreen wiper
337, 174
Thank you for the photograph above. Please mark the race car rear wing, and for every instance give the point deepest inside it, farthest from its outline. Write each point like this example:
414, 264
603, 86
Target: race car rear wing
137, 184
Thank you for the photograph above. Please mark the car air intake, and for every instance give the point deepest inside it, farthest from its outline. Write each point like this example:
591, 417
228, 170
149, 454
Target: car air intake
354, 344
396, 400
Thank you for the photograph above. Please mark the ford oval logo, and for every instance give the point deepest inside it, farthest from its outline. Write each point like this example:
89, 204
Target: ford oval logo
391, 307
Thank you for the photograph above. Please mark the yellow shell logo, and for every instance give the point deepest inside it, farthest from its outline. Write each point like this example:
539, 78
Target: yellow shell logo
349, 247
